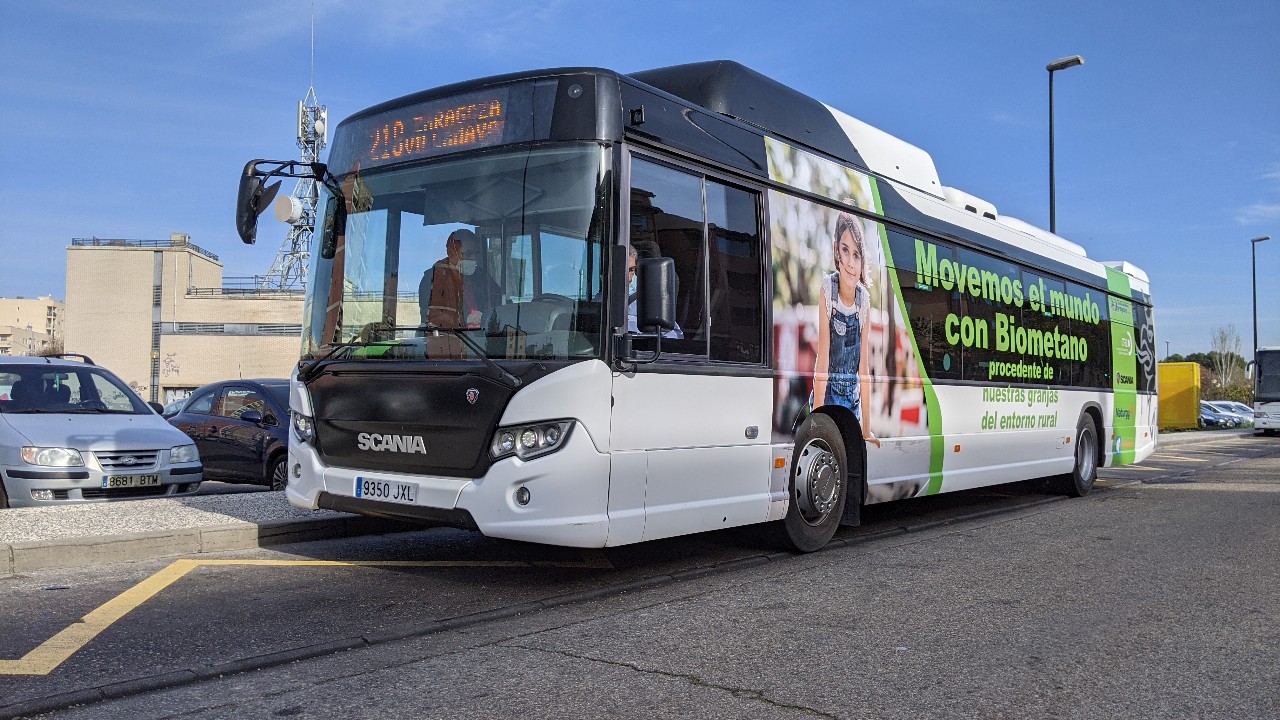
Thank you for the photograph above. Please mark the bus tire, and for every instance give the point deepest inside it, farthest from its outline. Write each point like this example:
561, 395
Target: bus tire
1079, 482
818, 483
4, 498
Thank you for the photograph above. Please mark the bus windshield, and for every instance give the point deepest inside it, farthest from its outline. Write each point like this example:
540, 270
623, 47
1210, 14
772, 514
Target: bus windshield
498, 253
1268, 370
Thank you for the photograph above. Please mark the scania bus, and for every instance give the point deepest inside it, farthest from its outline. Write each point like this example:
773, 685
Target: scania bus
586, 308
1266, 390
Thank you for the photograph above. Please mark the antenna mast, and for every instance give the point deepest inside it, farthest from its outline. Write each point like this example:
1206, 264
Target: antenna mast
289, 269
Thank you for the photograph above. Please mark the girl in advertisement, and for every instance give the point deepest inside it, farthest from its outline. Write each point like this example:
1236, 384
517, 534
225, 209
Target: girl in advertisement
842, 327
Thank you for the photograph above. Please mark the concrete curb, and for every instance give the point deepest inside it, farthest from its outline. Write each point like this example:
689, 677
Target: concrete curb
22, 557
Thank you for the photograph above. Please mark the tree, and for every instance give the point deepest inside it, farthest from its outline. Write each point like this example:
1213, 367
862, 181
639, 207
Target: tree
1224, 355
52, 349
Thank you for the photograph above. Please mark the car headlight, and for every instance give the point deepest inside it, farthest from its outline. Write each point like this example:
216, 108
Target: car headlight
303, 427
184, 454
52, 457
530, 441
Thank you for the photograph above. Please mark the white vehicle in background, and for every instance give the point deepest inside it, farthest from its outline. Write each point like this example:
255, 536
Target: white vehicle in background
1265, 370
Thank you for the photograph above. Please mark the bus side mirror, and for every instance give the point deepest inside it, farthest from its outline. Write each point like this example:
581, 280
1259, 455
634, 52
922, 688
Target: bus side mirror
656, 296
251, 201
1248, 370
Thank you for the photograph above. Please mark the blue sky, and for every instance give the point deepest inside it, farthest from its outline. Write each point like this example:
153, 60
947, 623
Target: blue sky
134, 119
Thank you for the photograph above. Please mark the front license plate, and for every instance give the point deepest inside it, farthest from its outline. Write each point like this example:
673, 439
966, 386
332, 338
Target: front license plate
386, 491
127, 481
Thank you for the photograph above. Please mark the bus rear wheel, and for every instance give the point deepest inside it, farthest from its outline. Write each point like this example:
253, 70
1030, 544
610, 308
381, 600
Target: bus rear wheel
1079, 482
818, 485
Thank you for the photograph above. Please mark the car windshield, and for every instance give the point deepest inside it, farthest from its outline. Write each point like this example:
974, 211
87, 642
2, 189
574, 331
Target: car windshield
497, 254
44, 389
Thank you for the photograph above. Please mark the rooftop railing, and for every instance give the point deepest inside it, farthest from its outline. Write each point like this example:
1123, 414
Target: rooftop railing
116, 242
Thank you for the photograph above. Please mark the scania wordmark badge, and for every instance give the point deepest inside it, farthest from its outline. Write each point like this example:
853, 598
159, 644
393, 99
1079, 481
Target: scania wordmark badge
391, 443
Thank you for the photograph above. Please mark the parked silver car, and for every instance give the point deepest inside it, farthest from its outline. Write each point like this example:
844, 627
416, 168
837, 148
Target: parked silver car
1226, 408
71, 431
1232, 406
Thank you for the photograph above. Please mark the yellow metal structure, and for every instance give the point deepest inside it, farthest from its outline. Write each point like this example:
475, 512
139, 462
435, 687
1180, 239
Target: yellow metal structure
1179, 406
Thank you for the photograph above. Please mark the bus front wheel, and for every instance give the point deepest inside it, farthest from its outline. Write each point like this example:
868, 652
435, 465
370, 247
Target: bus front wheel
1079, 481
818, 485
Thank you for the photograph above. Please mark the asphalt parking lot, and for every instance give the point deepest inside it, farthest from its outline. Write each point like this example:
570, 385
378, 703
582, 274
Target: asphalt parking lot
1146, 599
225, 517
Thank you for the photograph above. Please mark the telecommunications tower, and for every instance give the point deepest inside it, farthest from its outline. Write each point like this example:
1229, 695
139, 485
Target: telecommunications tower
289, 269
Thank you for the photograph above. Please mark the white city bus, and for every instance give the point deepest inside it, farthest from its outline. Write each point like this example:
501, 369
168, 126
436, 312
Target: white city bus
1266, 390
817, 323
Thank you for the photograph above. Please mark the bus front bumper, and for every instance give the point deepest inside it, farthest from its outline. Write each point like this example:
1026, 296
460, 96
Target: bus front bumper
566, 503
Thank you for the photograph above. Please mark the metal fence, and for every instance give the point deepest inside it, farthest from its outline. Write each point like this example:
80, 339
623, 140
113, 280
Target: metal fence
116, 242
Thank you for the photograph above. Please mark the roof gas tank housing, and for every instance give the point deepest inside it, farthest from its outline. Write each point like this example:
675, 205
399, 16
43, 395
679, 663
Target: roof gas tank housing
732, 89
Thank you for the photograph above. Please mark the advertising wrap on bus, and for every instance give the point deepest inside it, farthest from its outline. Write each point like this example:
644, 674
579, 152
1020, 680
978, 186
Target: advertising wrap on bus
938, 340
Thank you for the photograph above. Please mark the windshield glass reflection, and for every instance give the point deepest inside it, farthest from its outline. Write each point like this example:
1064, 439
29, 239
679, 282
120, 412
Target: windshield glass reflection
499, 254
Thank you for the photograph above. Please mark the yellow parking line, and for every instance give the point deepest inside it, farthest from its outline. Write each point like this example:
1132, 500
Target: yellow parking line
53, 652
1181, 458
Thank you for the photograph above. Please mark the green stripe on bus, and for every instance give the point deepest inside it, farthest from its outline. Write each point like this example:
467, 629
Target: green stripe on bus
1124, 371
937, 444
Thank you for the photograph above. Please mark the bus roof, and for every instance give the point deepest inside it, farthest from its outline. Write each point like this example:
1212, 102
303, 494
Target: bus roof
734, 90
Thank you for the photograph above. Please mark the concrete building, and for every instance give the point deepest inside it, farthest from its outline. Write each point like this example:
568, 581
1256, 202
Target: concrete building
29, 326
156, 313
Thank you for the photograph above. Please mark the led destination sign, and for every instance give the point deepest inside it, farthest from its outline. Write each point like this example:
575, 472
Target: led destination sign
426, 129
422, 130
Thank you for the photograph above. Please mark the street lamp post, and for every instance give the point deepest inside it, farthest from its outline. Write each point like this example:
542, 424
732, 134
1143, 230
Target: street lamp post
1253, 247
1062, 64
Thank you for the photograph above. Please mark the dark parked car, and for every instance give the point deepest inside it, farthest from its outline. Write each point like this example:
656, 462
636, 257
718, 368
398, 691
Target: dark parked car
241, 429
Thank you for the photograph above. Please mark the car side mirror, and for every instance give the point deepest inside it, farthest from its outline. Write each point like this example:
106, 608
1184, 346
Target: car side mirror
252, 416
656, 294
157, 407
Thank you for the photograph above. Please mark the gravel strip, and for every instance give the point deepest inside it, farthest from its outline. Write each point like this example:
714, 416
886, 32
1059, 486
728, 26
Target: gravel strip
135, 516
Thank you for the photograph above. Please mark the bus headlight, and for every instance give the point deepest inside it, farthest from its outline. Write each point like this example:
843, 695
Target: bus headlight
303, 428
530, 441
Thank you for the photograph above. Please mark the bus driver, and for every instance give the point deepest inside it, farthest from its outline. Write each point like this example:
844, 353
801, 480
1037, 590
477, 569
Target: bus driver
456, 291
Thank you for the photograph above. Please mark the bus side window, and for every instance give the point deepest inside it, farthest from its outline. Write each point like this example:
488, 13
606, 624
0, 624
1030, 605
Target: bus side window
736, 277
667, 221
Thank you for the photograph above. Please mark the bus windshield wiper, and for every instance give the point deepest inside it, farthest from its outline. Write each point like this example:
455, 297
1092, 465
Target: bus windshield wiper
460, 333
312, 368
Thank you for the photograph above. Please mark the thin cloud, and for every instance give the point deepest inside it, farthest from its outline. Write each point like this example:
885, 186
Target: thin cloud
1265, 211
